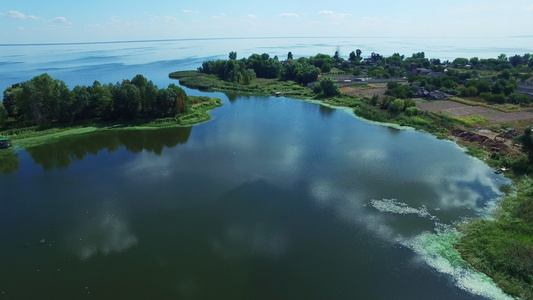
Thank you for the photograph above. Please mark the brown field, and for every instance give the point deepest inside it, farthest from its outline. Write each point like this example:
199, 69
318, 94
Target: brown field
368, 90
460, 109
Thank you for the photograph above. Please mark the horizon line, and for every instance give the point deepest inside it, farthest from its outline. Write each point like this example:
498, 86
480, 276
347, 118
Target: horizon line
229, 38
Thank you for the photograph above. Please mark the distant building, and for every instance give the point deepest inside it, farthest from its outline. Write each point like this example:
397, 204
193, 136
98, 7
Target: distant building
436, 95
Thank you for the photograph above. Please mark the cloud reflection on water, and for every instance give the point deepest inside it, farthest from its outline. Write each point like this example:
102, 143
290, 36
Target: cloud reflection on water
104, 235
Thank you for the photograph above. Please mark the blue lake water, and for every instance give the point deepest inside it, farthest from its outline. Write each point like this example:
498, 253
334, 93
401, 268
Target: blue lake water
274, 198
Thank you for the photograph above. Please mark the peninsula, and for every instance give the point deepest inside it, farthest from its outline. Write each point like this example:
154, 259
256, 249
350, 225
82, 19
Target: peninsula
36, 110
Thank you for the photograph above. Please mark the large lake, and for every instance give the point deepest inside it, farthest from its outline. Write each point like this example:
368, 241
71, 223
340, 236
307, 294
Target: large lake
274, 198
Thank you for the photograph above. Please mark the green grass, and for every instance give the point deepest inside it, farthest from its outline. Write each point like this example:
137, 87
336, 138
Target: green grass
502, 247
259, 87
472, 120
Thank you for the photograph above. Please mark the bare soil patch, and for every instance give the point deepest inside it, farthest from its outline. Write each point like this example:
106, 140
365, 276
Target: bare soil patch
364, 91
460, 109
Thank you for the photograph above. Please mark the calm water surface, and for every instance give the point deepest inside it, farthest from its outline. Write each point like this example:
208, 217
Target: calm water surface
273, 199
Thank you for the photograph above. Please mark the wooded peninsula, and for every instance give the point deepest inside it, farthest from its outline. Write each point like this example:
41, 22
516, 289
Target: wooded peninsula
415, 91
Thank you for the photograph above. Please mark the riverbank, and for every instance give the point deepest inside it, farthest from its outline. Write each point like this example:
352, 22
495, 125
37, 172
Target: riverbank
33, 136
493, 246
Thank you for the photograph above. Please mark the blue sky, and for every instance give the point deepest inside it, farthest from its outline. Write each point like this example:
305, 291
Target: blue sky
38, 21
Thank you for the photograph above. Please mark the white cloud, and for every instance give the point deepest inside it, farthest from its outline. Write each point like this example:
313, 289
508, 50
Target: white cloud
189, 11
252, 16
17, 15
333, 15
326, 12
13, 14
289, 15
167, 19
61, 20
219, 16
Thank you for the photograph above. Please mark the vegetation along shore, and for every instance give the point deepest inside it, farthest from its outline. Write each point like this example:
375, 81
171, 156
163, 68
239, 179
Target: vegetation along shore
482, 104
44, 108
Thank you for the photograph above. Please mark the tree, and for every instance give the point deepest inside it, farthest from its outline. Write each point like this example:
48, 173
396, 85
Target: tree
329, 88
81, 99
101, 102
516, 60
233, 55
502, 57
460, 62
127, 100
358, 52
41, 99
289, 55
397, 106
10, 102
527, 143
307, 73
337, 53
353, 57
3, 114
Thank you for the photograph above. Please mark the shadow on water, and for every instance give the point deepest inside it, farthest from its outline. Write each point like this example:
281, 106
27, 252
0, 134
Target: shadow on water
325, 111
9, 161
61, 153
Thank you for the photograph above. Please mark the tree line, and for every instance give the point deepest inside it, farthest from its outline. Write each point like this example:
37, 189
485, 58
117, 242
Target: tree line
44, 100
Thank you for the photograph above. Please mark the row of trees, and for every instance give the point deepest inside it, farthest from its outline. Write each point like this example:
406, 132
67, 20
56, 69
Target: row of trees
44, 100
245, 70
495, 64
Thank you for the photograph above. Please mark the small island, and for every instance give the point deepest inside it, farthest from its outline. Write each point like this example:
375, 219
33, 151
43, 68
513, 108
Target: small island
482, 104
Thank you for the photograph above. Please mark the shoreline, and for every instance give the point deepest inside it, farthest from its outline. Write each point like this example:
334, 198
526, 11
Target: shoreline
33, 136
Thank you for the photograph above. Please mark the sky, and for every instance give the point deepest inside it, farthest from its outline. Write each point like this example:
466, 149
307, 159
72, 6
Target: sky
70, 21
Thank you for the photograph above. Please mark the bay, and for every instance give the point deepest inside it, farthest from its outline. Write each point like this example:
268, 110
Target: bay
273, 198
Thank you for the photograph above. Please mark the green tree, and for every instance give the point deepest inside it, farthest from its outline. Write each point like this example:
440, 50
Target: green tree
353, 57
249, 77
472, 91
81, 105
3, 114
127, 100
10, 102
180, 98
527, 143
101, 102
397, 106
516, 60
462, 91
41, 98
289, 55
329, 87
233, 55
460, 62
358, 52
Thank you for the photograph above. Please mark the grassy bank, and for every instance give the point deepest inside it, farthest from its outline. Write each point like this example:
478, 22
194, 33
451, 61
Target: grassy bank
32, 136
260, 86
503, 247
